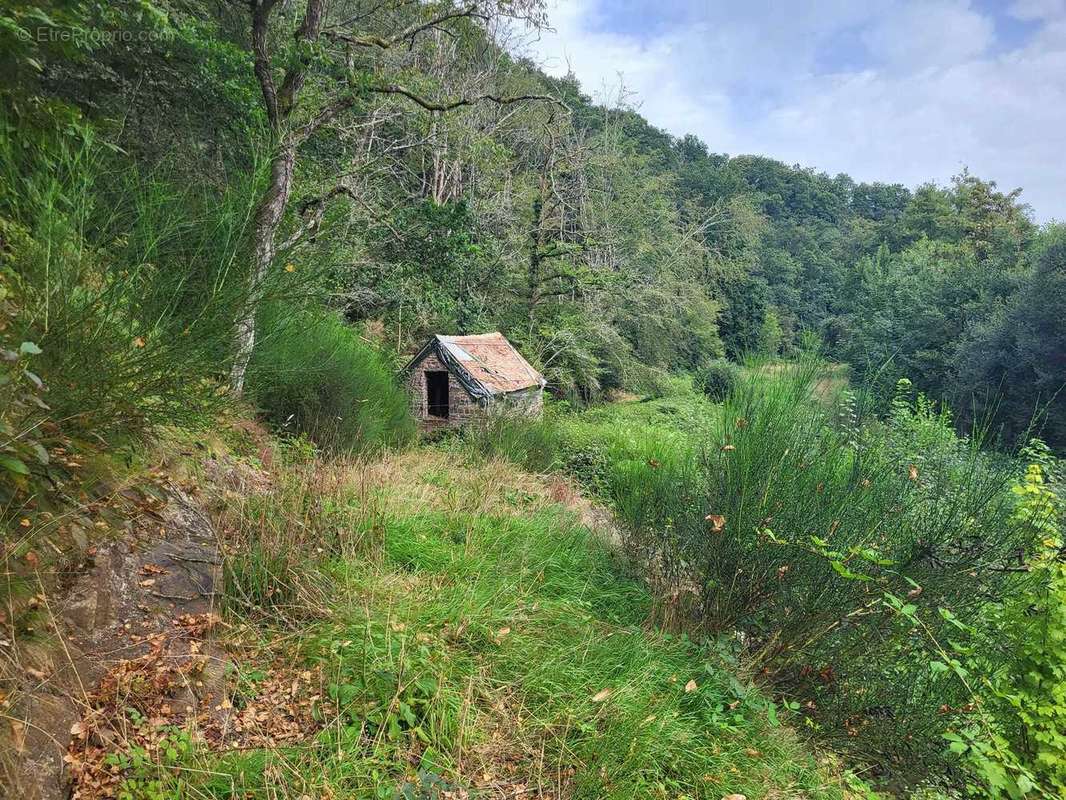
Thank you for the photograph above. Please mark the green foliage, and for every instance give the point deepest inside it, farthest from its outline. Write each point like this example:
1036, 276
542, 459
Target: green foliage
276, 540
532, 442
717, 379
781, 515
21, 403
453, 631
610, 251
312, 374
834, 545
125, 281
1011, 365
1019, 749
534, 604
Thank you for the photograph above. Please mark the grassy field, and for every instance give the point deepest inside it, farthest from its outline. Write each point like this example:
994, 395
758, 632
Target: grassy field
462, 634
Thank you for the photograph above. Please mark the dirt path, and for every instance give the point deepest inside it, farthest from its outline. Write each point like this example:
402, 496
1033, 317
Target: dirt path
148, 598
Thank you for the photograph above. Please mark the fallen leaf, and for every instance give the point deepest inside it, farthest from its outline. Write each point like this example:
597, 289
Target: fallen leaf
912, 472
18, 735
735, 797
502, 632
138, 342
601, 695
690, 686
728, 448
717, 522
77, 729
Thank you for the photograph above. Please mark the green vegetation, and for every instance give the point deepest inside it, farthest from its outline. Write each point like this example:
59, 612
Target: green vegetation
717, 379
211, 210
312, 374
483, 638
609, 251
879, 571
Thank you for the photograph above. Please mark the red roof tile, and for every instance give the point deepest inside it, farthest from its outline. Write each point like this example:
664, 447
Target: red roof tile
492, 361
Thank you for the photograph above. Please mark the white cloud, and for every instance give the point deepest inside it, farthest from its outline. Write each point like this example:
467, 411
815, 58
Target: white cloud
902, 91
920, 35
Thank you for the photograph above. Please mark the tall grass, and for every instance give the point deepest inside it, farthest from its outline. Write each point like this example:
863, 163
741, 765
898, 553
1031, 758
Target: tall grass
821, 538
482, 652
127, 280
532, 442
802, 523
312, 374
278, 538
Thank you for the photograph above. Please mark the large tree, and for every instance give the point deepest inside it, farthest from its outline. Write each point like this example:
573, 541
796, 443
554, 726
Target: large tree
324, 63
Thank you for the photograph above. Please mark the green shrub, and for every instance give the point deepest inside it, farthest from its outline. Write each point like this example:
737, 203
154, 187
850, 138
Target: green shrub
806, 527
795, 523
312, 374
717, 379
124, 279
1016, 745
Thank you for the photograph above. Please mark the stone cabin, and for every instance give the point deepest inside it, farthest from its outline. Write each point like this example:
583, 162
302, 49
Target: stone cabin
453, 379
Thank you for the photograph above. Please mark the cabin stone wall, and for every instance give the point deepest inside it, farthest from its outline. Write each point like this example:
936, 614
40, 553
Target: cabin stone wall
461, 406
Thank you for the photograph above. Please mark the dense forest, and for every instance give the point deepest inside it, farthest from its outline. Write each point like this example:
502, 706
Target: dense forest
225, 209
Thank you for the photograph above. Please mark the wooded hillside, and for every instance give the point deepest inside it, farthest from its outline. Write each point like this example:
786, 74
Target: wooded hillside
401, 166
796, 470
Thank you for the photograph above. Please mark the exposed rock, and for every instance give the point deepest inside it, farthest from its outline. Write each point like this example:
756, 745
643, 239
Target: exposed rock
135, 590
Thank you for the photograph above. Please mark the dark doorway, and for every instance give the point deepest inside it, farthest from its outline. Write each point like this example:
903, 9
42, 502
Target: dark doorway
437, 394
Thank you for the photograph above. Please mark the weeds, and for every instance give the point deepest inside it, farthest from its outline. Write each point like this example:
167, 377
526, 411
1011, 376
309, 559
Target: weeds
530, 441
279, 541
787, 515
127, 337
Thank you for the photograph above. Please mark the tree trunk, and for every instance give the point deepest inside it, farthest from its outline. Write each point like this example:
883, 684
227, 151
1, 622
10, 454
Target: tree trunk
267, 219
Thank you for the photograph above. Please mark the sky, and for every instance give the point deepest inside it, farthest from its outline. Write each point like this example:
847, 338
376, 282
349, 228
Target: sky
900, 91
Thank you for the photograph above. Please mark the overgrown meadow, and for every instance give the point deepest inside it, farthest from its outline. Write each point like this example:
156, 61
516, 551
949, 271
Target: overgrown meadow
221, 231
893, 582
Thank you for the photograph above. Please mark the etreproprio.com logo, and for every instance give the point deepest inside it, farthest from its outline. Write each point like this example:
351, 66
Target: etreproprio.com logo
91, 36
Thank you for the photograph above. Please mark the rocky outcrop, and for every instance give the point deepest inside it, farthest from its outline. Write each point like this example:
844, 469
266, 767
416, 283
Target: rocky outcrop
148, 592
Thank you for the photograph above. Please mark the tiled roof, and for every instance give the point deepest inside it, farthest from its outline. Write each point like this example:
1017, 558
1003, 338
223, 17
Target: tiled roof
492, 361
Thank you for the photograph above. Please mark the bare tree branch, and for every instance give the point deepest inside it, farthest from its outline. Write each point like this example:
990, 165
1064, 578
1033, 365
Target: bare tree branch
449, 105
411, 31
